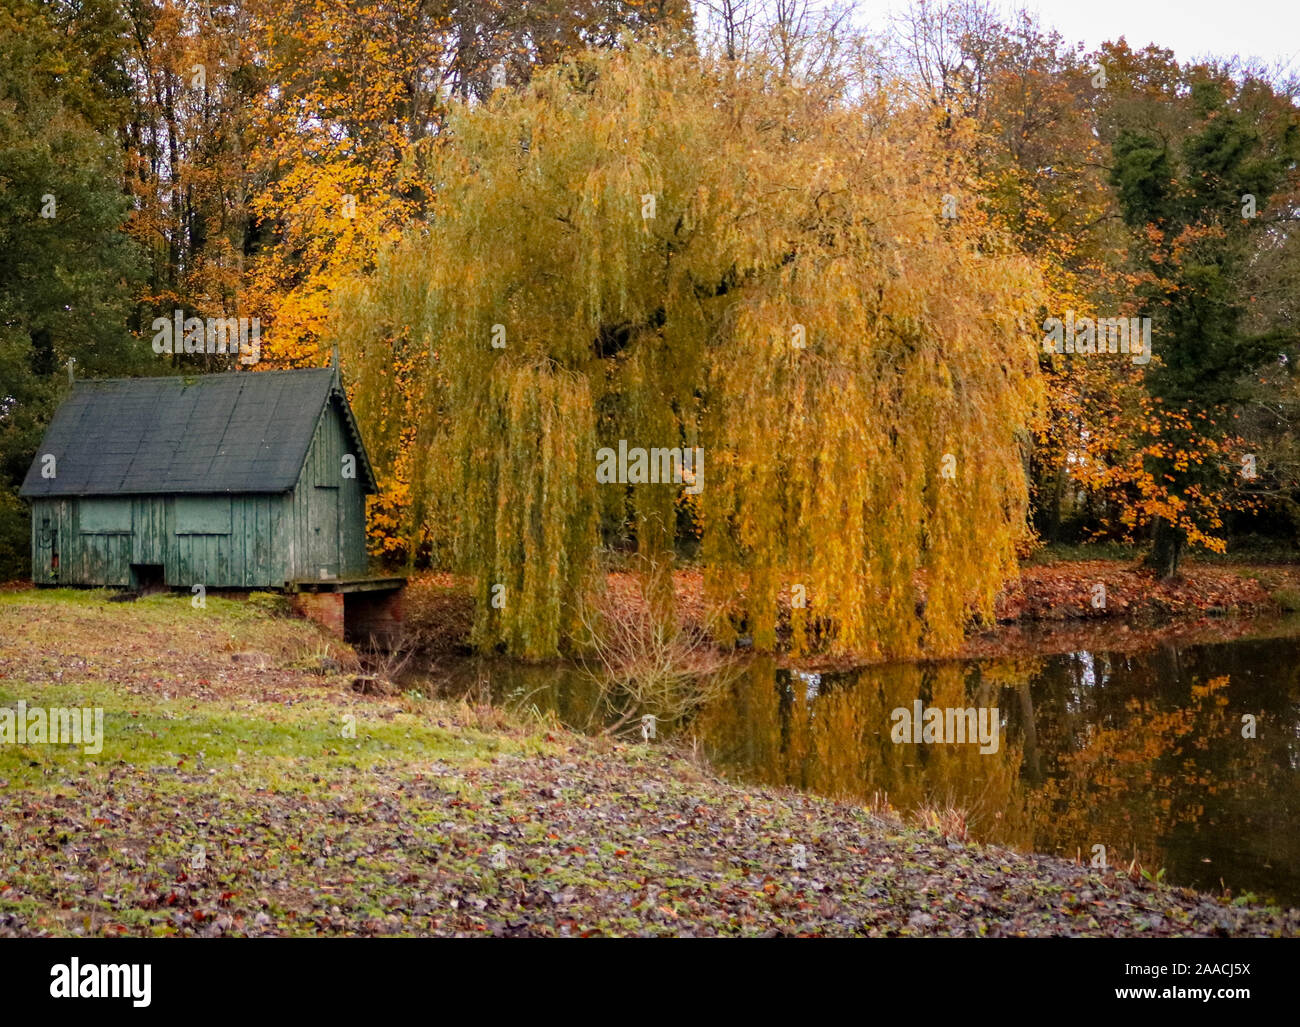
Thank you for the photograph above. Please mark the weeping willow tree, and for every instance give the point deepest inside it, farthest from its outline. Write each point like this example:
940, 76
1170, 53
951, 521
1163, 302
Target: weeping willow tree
671, 254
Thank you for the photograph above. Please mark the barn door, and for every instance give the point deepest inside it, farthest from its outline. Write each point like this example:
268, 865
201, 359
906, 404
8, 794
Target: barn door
323, 527
46, 535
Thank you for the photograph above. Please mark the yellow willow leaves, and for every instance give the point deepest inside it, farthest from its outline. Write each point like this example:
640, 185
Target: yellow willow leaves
839, 478
527, 517
649, 249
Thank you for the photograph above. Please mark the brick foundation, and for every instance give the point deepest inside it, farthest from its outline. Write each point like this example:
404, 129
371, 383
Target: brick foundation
374, 615
325, 608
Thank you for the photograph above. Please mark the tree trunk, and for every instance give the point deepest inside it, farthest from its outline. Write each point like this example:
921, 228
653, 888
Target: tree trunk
1166, 549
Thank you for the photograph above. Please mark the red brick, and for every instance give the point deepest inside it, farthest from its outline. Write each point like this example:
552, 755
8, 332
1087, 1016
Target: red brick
325, 608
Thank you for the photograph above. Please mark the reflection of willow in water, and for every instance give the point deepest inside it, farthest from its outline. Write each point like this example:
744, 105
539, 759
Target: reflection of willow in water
835, 740
1008, 679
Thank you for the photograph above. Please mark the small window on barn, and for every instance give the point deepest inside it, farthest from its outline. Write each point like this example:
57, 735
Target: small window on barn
105, 516
202, 515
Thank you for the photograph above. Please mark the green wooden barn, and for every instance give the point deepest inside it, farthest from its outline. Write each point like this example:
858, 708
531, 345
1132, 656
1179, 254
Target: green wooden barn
242, 480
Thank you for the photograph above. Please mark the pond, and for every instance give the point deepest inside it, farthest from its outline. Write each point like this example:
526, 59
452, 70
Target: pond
1185, 757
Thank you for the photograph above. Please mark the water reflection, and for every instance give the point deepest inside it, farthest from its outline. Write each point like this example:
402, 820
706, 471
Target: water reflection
1144, 754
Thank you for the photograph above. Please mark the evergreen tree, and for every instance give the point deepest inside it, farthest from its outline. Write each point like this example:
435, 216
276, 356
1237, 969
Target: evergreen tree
67, 270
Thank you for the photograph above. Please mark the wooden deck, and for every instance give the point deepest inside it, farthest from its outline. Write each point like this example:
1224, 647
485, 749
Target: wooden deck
345, 585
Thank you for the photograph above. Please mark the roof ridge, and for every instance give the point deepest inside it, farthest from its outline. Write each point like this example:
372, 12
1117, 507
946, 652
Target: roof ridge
201, 375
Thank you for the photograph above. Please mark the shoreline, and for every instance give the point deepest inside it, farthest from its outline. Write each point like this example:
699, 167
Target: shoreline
1049, 609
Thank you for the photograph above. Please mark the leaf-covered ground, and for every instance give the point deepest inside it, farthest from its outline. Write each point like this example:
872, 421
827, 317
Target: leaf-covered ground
230, 799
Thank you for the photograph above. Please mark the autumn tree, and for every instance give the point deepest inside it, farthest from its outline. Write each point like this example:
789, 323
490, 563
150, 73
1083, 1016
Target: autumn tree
1195, 204
355, 98
194, 76
1022, 105
663, 253
1040, 175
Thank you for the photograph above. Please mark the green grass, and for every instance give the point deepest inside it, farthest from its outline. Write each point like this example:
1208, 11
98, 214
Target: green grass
1250, 549
152, 733
1066, 552
1288, 599
142, 662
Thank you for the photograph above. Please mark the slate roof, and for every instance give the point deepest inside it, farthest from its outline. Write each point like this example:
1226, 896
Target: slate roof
243, 431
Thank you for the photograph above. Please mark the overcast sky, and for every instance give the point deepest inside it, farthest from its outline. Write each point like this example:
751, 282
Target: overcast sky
1267, 29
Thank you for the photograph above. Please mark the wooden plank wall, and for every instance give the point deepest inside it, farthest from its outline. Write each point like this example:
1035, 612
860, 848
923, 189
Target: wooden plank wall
323, 469
253, 555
